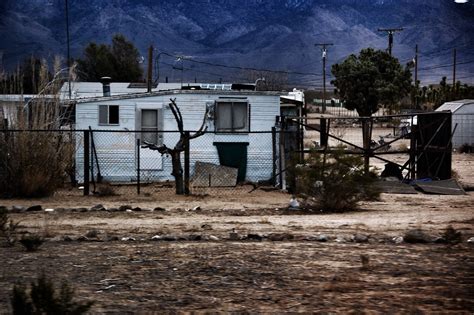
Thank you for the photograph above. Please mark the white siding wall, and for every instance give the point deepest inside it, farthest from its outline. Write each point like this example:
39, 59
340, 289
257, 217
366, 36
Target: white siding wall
117, 151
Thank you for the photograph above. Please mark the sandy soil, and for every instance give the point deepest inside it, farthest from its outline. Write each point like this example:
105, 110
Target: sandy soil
290, 272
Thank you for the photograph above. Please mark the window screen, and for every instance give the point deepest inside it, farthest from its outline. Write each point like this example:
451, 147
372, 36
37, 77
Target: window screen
232, 116
150, 124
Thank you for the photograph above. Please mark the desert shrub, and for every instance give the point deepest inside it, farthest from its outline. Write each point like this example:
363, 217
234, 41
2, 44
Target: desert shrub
36, 163
466, 148
31, 242
7, 227
451, 236
403, 147
43, 298
334, 182
105, 189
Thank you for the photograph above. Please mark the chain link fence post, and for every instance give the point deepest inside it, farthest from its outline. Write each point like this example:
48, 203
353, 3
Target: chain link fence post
186, 163
86, 162
138, 166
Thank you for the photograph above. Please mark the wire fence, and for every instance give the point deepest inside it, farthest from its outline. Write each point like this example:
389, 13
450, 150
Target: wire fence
119, 161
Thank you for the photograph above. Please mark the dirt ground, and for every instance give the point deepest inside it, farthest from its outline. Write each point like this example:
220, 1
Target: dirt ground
278, 265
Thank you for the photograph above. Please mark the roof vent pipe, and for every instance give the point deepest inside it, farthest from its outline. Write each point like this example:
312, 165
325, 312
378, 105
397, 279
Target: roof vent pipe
106, 85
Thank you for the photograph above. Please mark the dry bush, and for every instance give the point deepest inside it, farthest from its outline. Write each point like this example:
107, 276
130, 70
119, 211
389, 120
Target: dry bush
8, 227
105, 189
31, 242
44, 298
403, 147
466, 148
35, 158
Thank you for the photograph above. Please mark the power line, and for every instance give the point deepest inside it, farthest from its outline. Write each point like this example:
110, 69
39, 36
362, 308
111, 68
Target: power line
446, 65
241, 68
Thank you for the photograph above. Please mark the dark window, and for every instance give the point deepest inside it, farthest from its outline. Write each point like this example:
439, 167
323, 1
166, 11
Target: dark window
232, 116
108, 114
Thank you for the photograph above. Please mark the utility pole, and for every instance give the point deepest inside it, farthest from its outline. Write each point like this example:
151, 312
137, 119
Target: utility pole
390, 32
324, 50
454, 68
150, 69
416, 76
68, 51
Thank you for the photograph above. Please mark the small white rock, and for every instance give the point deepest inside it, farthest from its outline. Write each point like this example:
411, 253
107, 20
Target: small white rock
156, 238
397, 239
213, 238
126, 239
49, 210
471, 240
294, 203
129, 210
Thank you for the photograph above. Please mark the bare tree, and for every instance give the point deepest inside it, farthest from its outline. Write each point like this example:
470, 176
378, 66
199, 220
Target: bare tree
180, 146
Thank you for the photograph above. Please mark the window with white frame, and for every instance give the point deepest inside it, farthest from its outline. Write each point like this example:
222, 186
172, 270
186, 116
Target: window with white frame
232, 116
150, 125
109, 115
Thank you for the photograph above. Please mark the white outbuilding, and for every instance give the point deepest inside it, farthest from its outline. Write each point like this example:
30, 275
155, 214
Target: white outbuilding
463, 121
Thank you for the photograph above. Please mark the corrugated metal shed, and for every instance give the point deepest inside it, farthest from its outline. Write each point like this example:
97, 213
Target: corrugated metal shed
462, 120
454, 106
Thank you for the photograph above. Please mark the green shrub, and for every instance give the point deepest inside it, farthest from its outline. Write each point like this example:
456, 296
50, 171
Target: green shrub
44, 299
334, 182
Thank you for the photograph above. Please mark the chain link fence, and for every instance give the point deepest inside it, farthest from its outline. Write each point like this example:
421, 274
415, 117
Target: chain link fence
213, 163
108, 162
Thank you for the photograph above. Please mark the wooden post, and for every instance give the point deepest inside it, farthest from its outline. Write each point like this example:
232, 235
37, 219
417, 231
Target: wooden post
138, 166
323, 133
86, 162
274, 158
413, 150
150, 69
186, 162
366, 143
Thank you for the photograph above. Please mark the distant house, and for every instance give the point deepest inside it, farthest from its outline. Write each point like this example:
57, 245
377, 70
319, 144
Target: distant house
462, 120
10, 103
239, 129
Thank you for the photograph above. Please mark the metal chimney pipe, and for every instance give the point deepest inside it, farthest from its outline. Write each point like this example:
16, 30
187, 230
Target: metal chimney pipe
106, 85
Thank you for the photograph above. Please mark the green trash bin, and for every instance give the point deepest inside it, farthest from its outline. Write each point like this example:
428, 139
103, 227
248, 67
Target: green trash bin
233, 154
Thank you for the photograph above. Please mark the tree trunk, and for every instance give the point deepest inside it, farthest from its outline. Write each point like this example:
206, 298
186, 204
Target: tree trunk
366, 137
177, 172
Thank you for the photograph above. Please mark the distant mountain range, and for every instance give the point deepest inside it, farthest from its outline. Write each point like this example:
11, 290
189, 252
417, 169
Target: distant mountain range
269, 34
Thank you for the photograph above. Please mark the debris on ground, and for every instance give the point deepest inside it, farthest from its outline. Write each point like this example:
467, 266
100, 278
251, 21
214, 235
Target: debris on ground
417, 236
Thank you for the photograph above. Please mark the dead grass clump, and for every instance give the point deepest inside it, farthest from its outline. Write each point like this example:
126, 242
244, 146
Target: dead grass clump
36, 158
451, 236
31, 242
8, 227
105, 189
466, 148
43, 298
